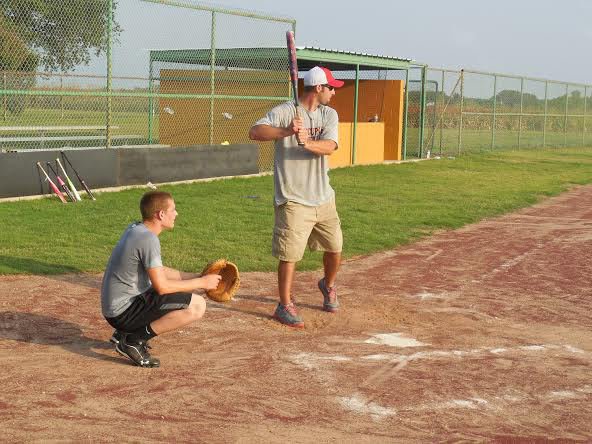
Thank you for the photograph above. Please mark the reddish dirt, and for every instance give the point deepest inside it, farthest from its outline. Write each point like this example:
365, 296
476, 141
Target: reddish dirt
489, 330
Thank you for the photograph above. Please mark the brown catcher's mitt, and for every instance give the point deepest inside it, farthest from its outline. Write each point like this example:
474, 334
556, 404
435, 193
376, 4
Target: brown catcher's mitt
229, 283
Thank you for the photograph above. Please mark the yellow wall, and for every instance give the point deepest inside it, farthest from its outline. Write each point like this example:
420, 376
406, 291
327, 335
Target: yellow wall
376, 97
370, 146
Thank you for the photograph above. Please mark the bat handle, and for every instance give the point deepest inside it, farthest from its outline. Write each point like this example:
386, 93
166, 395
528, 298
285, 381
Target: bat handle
296, 104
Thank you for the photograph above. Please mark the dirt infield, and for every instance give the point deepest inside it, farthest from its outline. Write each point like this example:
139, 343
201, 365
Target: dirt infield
483, 333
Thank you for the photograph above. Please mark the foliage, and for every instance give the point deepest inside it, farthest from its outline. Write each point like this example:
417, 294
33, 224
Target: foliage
62, 34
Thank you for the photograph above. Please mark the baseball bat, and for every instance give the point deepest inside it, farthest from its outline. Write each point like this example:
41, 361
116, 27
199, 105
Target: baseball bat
52, 185
293, 66
80, 179
70, 184
61, 183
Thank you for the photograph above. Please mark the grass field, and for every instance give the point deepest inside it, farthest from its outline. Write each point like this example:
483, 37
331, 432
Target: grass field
381, 206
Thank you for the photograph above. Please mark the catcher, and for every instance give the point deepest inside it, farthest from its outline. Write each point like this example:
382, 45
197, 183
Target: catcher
140, 297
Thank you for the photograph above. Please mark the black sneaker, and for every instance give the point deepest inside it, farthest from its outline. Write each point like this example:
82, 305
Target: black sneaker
137, 352
116, 337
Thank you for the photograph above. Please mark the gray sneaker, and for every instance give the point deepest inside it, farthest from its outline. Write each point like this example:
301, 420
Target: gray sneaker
330, 302
288, 315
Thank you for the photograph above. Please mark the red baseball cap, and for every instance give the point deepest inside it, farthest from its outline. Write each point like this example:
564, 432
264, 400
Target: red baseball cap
321, 76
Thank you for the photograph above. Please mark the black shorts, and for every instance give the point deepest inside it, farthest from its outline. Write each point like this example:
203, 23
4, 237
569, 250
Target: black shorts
148, 307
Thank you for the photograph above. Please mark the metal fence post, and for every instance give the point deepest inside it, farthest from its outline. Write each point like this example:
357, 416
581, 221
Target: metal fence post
565, 118
545, 115
521, 111
584, 118
494, 109
150, 100
443, 94
4, 98
405, 112
109, 71
422, 106
460, 122
212, 78
356, 91
62, 97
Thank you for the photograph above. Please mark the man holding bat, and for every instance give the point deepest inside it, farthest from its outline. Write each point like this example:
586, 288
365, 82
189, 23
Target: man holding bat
140, 297
304, 202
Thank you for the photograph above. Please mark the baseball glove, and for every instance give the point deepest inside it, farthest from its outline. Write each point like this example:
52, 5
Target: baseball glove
229, 283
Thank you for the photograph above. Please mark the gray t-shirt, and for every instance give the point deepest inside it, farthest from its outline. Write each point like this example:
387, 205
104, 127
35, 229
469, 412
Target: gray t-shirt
126, 276
299, 175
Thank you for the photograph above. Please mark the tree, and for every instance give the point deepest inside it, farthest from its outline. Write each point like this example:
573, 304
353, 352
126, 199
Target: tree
61, 34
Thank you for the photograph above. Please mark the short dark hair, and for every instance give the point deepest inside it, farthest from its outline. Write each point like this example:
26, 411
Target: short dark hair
153, 202
309, 88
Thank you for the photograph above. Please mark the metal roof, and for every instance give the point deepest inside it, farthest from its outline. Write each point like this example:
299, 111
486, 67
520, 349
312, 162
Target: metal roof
257, 58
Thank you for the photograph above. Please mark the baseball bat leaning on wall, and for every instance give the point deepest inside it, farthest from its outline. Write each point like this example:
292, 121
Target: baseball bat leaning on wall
80, 179
70, 184
52, 185
61, 183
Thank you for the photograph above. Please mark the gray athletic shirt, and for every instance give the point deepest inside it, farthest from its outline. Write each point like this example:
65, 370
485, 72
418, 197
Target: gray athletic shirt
299, 175
126, 276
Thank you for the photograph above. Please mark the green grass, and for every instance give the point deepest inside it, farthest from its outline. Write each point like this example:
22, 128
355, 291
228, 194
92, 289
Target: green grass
381, 207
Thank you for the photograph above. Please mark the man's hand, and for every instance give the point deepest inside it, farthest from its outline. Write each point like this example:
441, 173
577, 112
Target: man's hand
210, 281
302, 136
296, 125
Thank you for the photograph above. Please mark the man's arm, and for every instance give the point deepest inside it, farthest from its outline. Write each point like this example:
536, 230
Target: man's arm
321, 147
265, 133
177, 275
164, 284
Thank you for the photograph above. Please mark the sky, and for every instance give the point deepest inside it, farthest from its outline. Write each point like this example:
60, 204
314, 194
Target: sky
542, 38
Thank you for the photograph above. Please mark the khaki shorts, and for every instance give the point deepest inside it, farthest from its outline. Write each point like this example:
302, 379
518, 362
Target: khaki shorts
299, 225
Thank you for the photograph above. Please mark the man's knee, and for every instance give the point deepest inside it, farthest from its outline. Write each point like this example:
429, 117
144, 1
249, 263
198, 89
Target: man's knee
197, 308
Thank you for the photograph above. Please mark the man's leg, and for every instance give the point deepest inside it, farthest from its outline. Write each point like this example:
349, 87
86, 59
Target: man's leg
331, 262
179, 318
179, 309
285, 278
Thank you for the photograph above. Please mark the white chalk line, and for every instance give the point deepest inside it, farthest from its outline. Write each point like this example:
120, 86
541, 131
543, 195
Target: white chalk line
358, 404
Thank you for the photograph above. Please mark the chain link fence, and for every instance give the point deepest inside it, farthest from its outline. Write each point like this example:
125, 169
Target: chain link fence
467, 111
107, 73
85, 73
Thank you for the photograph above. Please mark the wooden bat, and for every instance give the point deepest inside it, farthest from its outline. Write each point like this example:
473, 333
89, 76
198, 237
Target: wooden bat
80, 179
52, 185
70, 184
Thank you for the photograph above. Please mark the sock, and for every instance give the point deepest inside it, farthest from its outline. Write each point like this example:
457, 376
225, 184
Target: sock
141, 334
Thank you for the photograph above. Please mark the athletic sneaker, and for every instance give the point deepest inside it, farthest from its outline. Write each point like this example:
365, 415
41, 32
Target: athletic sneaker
288, 315
137, 352
330, 302
116, 337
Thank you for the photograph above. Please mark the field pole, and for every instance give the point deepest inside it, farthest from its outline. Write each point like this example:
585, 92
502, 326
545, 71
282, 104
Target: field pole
212, 79
521, 111
545, 115
109, 72
150, 100
443, 94
565, 118
462, 97
4, 98
584, 120
422, 106
405, 112
356, 95
494, 109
